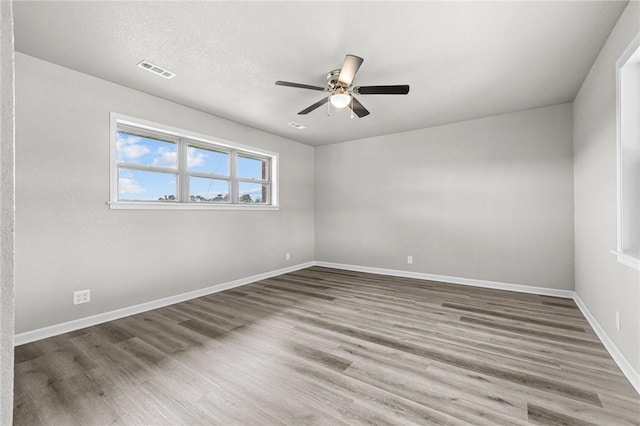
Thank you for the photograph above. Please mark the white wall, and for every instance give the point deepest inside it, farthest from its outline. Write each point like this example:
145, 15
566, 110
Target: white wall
68, 239
603, 284
6, 212
487, 199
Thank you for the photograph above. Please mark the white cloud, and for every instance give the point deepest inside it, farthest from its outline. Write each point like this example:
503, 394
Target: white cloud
129, 147
129, 186
166, 158
195, 158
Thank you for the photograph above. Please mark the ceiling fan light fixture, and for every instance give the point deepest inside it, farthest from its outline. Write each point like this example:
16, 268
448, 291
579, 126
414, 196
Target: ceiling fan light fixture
340, 100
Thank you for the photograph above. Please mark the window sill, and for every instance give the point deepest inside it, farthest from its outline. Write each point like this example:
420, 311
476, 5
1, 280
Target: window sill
627, 259
184, 206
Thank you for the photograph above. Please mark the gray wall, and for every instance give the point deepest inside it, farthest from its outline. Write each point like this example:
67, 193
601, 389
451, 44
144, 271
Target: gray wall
6, 212
603, 284
67, 238
488, 199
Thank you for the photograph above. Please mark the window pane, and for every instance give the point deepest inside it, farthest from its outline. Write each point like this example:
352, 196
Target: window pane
252, 168
137, 185
253, 193
207, 161
145, 151
208, 190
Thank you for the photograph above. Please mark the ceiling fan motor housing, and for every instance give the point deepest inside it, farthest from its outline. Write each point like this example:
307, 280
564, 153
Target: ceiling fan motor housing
332, 80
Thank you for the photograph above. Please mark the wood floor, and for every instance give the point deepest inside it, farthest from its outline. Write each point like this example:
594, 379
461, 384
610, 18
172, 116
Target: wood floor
323, 346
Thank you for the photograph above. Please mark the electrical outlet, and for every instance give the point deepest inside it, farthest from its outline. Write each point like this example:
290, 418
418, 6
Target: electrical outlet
618, 321
287, 256
409, 260
81, 296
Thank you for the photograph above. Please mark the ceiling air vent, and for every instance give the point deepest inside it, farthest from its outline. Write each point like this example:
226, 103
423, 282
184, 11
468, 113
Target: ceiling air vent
156, 70
296, 125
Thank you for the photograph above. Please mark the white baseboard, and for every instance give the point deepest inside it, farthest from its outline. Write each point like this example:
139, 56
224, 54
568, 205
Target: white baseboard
568, 294
66, 327
627, 369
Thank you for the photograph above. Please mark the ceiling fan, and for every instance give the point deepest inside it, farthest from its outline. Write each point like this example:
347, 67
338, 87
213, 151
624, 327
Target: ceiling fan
341, 92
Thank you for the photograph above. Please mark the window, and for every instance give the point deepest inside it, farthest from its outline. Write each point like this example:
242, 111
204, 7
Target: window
156, 166
628, 133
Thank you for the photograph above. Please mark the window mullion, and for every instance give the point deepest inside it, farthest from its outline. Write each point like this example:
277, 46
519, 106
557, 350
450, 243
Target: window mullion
249, 180
234, 177
183, 177
208, 175
132, 166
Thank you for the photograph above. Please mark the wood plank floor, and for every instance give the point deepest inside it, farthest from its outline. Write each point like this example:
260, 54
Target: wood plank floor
324, 346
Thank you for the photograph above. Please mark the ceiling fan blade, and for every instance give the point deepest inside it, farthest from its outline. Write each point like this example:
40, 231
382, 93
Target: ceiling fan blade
314, 106
400, 89
349, 69
300, 86
358, 108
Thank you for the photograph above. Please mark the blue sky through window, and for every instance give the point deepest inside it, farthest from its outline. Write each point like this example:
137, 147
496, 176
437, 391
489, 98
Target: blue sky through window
145, 151
145, 185
250, 167
139, 185
204, 189
208, 161
252, 190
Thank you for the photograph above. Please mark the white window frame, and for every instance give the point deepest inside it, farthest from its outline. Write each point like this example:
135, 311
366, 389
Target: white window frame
623, 255
184, 139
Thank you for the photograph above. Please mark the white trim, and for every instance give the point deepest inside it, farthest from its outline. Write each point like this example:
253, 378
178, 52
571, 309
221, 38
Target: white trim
66, 327
627, 369
567, 294
620, 63
153, 205
626, 259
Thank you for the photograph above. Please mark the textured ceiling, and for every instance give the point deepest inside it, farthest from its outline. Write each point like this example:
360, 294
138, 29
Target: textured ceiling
463, 60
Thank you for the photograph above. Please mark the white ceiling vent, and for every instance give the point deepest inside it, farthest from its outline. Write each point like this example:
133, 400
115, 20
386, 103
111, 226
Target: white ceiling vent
296, 125
156, 70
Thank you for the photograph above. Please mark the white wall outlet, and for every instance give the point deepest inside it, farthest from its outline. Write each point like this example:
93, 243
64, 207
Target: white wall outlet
287, 256
618, 321
409, 260
81, 296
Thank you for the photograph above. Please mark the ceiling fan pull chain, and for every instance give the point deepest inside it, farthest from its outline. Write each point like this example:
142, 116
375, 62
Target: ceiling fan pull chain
328, 109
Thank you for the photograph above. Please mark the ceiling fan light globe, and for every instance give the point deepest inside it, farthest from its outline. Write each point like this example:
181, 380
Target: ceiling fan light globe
340, 100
